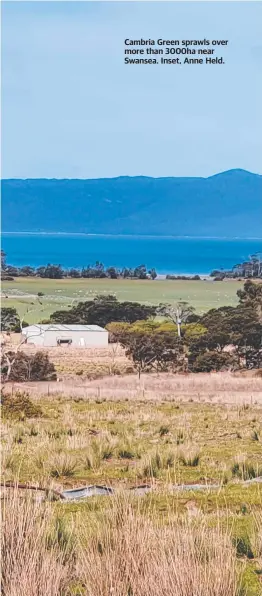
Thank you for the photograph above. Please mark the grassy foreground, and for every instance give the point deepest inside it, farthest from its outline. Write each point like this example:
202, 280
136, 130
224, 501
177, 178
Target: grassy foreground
167, 542
58, 294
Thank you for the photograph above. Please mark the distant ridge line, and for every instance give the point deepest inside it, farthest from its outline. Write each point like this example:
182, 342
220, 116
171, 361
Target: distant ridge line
224, 205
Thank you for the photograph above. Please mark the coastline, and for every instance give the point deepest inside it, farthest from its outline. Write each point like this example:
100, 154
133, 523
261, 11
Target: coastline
146, 236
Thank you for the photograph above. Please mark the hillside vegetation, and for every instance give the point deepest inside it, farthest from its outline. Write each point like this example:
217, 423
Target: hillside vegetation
227, 204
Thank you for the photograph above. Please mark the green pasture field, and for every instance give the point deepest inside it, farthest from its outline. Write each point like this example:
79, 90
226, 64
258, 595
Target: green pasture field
60, 294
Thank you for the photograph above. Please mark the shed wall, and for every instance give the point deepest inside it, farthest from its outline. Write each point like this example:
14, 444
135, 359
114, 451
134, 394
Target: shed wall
35, 339
79, 338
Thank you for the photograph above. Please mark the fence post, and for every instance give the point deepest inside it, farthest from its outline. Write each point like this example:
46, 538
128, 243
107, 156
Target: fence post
48, 389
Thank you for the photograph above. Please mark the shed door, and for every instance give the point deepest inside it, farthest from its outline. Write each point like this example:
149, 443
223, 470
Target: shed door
82, 342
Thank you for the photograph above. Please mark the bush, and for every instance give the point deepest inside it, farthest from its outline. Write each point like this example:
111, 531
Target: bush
19, 406
243, 547
36, 367
116, 331
212, 361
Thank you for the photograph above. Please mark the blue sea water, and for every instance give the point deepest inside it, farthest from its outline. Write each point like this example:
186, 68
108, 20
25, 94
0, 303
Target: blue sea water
166, 254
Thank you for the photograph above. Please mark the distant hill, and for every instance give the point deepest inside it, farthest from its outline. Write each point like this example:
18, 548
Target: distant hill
227, 204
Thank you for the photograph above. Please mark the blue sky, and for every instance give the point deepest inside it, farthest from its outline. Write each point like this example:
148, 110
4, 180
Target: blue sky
72, 109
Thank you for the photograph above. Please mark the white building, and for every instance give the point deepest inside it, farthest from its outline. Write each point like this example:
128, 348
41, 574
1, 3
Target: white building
81, 336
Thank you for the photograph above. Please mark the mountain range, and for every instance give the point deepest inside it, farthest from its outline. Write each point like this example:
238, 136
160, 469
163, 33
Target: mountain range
226, 204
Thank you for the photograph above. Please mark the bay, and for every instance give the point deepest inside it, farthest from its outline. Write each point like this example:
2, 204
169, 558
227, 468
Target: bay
167, 254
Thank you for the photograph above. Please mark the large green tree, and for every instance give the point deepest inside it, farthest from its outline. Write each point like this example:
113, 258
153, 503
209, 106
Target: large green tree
103, 310
153, 350
240, 327
10, 321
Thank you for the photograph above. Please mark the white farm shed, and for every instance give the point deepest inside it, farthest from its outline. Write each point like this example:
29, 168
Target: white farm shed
80, 336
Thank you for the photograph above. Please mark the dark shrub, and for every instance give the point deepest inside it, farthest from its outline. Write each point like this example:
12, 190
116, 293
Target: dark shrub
212, 361
19, 406
36, 367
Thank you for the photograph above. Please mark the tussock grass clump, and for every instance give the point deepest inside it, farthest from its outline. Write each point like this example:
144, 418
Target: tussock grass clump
189, 456
180, 437
164, 430
153, 465
91, 460
126, 453
246, 470
99, 450
257, 537
62, 465
9, 460
255, 435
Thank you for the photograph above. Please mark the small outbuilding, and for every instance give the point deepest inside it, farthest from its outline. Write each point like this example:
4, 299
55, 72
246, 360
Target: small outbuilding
79, 336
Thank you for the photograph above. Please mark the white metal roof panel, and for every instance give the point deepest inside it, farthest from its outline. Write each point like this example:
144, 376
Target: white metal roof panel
53, 327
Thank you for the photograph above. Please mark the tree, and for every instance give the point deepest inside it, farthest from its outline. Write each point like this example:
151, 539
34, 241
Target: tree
3, 260
11, 271
13, 322
213, 361
193, 331
103, 310
116, 331
25, 367
10, 320
112, 273
158, 350
251, 296
238, 327
178, 313
50, 271
75, 273
27, 271
140, 272
127, 273
152, 273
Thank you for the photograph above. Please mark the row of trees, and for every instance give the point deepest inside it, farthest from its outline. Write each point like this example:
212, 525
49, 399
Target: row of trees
222, 339
97, 271
174, 337
248, 269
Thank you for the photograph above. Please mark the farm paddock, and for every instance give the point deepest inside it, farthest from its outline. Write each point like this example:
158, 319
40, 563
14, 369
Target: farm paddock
186, 431
59, 294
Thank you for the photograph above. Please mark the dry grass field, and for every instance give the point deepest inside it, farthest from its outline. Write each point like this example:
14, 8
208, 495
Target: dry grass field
200, 541
195, 442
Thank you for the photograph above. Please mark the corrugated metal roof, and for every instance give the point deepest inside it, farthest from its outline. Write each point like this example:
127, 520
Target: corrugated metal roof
52, 327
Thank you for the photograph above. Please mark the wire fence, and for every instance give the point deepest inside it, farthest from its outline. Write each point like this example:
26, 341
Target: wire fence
139, 393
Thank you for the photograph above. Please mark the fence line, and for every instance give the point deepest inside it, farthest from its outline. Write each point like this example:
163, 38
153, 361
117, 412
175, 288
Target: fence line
140, 393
